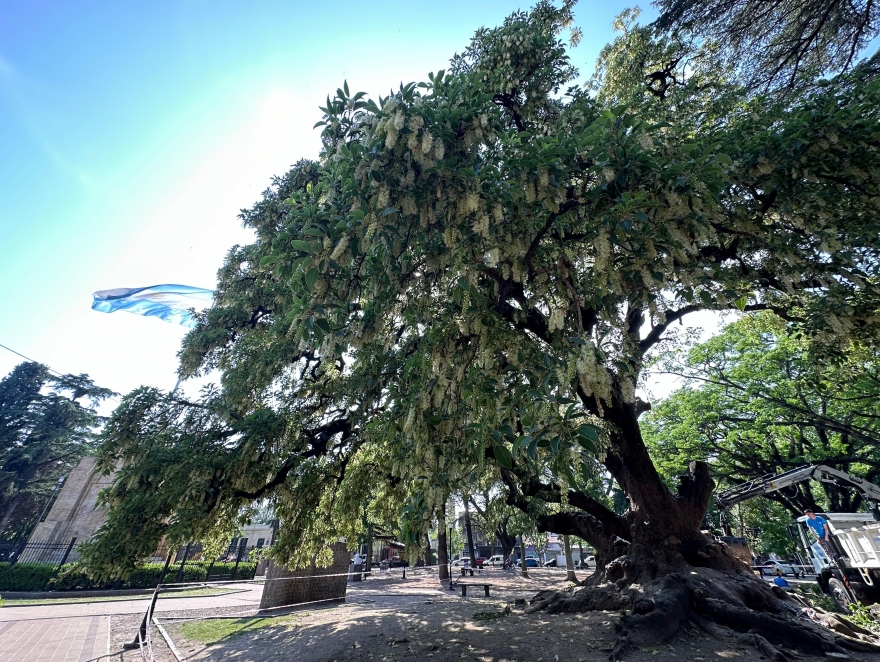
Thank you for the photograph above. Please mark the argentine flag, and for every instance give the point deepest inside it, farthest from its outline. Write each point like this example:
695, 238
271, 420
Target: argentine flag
171, 303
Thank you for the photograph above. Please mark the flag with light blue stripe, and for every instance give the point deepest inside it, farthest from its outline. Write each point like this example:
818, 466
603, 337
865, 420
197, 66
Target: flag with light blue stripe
172, 303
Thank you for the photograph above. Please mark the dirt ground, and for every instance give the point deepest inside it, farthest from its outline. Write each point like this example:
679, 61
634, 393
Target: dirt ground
394, 619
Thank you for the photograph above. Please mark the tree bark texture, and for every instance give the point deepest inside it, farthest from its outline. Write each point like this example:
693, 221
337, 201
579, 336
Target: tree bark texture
654, 564
470, 535
369, 565
569, 562
522, 557
442, 549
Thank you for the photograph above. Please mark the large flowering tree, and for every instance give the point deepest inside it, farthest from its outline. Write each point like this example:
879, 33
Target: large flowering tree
473, 278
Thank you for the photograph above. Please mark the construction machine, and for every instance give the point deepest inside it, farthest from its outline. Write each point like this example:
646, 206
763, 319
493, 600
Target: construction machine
853, 574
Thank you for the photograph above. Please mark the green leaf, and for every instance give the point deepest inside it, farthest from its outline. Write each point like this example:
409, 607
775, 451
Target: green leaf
533, 449
588, 437
590, 432
741, 303
311, 278
269, 259
301, 245
503, 455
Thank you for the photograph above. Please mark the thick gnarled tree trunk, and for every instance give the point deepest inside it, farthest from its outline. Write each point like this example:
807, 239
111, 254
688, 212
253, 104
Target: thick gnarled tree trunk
656, 565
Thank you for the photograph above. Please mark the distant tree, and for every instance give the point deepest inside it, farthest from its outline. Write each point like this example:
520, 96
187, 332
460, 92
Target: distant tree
755, 403
494, 516
777, 42
48, 423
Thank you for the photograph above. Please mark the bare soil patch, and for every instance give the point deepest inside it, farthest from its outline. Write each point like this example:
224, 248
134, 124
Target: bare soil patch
390, 619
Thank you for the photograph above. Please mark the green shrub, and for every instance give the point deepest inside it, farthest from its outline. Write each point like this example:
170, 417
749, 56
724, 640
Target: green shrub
26, 576
42, 576
73, 578
245, 570
147, 575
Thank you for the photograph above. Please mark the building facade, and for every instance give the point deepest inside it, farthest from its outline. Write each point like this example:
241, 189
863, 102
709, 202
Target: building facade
75, 512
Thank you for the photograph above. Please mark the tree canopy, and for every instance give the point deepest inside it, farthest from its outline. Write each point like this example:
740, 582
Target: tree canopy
476, 272
778, 42
45, 430
755, 403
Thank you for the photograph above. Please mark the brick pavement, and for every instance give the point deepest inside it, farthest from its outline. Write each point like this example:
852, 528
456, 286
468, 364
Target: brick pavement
74, 639
249, 597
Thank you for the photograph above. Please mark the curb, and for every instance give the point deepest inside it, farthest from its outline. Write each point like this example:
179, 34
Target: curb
49, 595
121, 593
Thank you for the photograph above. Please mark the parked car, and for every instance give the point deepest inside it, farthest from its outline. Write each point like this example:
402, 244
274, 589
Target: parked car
531, 562
550, 564
778, 567
497, 559
587, 563
481, 560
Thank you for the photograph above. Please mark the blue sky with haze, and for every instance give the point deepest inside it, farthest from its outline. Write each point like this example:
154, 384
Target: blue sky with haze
132, 133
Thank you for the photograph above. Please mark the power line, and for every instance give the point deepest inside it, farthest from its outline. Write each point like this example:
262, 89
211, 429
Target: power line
27, 358
52, 370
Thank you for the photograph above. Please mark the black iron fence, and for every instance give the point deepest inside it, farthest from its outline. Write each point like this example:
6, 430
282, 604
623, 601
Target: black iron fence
39, 565
49, 553
189, 562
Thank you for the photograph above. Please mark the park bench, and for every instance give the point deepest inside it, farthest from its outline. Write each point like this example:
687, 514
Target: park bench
464, 588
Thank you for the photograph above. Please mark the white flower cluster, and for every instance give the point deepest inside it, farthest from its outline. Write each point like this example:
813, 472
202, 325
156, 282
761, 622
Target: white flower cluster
408, 205
492, 257
594, 378
557, 318
627, 390
382, 197
340, 249
481, 225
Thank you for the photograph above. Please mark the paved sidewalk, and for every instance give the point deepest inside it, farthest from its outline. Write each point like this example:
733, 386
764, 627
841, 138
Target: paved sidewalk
54, 640
249, 597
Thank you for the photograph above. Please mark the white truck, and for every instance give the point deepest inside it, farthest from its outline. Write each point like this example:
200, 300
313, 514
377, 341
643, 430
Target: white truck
854, 576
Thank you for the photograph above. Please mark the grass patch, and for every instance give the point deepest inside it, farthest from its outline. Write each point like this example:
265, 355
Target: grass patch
212, 630
492, 615
191, 593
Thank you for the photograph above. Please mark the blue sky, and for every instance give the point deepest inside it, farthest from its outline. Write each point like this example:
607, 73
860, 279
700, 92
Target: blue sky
132, 133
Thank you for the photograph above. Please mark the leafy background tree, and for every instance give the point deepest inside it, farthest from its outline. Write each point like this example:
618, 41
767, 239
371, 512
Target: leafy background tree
756, 403
48, 423
476, 273
778, 43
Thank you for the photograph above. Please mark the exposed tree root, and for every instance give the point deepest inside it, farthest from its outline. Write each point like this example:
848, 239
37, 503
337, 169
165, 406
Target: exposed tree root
732, 606
593, 598
752, 640
653, 620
